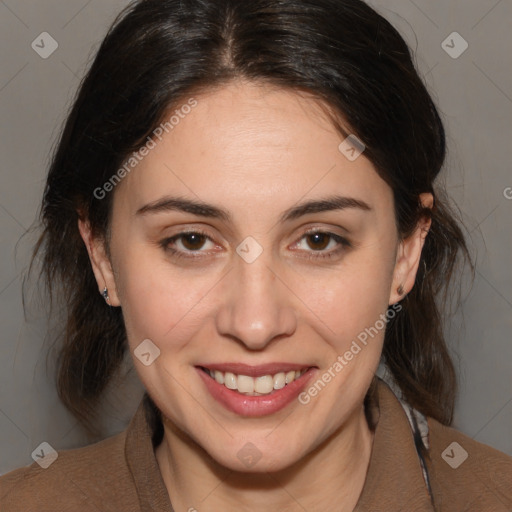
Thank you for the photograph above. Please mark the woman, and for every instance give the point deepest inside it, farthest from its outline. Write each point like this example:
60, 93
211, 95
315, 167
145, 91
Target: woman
251, 188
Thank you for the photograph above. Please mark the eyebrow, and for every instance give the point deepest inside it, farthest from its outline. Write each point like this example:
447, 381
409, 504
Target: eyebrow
202, 209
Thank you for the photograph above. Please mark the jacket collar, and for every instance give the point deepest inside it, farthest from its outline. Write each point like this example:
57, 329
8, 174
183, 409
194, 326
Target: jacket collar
143, 465
394, 479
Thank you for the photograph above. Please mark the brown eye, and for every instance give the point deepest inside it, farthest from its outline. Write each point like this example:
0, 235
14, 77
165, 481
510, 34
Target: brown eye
318, 241
193, 241
317, 245
189, 244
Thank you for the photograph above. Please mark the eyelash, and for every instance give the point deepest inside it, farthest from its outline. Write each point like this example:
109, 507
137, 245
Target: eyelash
342, 242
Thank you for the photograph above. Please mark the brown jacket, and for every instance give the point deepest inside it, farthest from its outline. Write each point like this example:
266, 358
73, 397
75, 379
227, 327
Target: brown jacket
120, 474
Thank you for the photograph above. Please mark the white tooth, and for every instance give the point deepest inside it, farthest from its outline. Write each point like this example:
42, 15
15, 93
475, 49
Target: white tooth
245, 384
219, 377
230, 380
279, 380
290, 376
264, 384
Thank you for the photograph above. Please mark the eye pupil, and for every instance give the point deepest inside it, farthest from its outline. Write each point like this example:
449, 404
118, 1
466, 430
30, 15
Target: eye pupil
321, 238
193, 241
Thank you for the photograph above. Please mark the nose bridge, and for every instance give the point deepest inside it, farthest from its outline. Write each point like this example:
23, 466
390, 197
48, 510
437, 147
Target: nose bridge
255, 308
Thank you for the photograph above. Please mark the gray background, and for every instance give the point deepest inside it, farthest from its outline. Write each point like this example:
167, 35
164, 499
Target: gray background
474, 94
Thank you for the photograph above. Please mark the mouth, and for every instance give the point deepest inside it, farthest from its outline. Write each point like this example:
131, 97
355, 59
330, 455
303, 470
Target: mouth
261, 385
255, 390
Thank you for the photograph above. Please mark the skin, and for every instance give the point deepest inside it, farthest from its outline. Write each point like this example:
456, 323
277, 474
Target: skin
257, 151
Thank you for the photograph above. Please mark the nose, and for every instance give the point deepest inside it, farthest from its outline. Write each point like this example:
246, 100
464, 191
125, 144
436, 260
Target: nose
257, 307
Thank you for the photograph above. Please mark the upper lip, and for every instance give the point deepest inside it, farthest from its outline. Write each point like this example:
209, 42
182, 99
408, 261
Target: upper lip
257, 370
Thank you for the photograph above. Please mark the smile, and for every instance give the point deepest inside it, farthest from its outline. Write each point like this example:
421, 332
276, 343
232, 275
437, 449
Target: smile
255, 390
255, 386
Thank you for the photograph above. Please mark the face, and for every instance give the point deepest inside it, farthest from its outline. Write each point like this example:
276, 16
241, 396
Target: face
290, 256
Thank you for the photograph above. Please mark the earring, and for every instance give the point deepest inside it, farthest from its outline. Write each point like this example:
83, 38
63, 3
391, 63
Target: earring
105, 295
400, 290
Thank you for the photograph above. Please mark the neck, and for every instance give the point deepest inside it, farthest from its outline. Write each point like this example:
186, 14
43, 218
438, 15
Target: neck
337, 466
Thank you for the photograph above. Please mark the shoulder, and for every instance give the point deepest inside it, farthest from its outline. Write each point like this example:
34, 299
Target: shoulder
466, 474
76, 480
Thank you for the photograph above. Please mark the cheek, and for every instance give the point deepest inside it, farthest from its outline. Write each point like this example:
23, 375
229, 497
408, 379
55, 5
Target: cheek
159, 301
350, 299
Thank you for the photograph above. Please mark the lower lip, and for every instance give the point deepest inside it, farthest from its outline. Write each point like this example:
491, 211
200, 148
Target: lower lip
245, 405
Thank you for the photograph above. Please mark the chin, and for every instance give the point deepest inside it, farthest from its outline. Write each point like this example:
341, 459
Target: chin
246, 457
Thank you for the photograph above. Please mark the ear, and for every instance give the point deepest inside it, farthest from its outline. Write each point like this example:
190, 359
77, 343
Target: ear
408, 255
100, 262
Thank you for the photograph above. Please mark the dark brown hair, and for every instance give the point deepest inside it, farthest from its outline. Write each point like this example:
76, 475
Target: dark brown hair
158, 52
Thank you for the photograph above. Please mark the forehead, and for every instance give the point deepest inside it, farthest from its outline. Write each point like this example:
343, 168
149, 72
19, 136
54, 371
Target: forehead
247, 145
